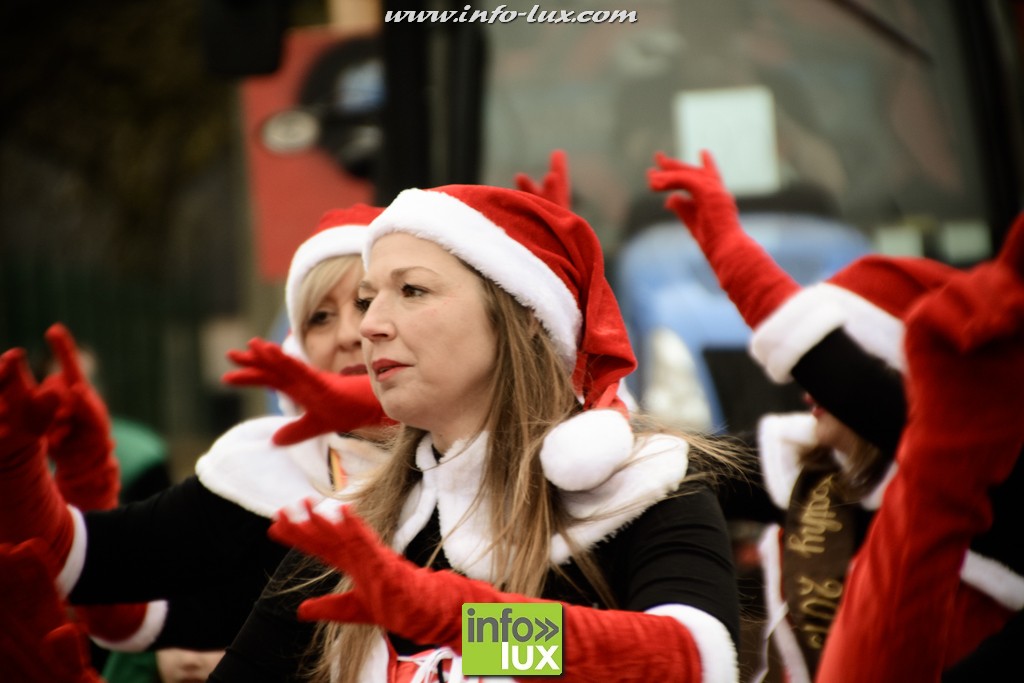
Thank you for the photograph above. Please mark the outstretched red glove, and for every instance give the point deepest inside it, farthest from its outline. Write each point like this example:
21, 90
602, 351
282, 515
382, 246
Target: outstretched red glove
79, 439
332, 402
905, 602
745, 271
30, 504
555, 186
425, 606
39, 644
87, 474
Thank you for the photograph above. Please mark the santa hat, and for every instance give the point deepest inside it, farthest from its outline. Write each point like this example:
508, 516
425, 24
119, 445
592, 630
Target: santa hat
550, 260
340, 232
869, 299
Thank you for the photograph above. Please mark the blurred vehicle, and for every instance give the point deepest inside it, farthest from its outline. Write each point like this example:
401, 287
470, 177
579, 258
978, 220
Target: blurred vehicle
694, 371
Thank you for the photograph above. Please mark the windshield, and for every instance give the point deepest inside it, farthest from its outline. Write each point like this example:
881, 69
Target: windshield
809, 106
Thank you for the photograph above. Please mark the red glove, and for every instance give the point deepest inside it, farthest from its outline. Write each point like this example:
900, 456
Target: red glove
39, 644
555, 186
30, 504
79, 440
751, 278
332, 402
965, 355
425, 606
87, 473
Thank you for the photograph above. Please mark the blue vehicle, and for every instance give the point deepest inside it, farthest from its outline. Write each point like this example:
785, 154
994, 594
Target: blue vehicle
691, 343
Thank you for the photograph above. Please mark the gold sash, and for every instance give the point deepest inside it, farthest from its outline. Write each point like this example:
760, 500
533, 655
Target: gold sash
820, 538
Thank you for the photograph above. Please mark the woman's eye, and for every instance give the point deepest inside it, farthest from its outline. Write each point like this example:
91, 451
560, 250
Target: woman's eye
412, 291
362, 305
318, 318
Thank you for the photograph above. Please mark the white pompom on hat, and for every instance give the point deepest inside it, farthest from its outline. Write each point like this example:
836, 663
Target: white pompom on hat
549, 260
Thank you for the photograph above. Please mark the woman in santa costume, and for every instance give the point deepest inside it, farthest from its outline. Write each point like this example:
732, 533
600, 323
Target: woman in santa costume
202, 542
958, 458
494, 338
843, 341
257, 466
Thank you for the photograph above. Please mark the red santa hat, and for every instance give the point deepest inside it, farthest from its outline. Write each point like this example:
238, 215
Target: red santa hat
340, 232
550, 260
869, 299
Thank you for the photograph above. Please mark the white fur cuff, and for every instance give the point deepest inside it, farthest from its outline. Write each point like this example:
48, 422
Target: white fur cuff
718, 660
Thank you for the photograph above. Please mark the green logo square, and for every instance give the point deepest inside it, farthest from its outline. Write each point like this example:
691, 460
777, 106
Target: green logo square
512, 638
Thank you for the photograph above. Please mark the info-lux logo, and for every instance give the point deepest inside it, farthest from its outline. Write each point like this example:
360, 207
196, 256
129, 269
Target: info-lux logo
518, 638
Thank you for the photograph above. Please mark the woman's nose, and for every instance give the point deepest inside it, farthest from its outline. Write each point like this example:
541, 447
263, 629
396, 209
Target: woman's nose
376, 324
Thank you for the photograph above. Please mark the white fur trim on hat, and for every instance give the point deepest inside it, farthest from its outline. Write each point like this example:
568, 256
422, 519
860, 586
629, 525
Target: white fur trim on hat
468, 234
810, 315
718, 659
343, 240
585, 450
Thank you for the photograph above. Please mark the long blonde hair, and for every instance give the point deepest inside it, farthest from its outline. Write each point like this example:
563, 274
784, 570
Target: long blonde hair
532, 393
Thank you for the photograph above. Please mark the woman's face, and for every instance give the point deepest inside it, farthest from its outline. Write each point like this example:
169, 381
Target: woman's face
427, 338
332, 330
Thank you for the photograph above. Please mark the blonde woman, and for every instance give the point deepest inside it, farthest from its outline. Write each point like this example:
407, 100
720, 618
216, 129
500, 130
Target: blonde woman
493, 337
198, 551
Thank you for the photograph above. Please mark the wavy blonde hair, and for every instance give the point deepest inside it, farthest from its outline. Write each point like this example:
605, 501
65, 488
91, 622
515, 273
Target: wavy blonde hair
532, 393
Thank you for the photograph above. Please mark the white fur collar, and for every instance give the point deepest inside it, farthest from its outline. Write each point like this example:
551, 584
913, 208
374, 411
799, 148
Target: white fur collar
780, 440
656, 467
245, 467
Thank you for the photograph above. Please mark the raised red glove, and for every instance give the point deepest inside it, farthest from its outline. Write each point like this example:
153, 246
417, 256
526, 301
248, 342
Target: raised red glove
87, 473
30, 504
555, 185
332, 402
79, 439
904, 602
745, 271
425, 606
39, 644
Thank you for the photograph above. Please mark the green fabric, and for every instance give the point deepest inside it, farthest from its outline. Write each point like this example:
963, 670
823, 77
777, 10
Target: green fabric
136, 447
131, 667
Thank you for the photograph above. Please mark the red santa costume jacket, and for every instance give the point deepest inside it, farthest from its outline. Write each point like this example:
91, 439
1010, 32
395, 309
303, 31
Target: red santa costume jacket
821, 530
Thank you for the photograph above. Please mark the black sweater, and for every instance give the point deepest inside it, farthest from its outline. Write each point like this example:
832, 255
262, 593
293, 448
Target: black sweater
677, 551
